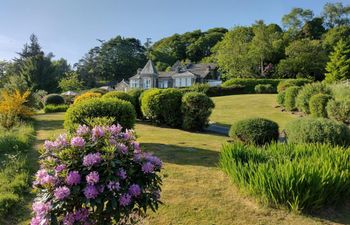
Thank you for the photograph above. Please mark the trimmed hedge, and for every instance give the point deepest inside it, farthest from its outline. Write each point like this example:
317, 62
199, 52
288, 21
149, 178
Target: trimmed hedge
257, 131
264, 89
53, 99
291, 94
136, 95
55, 108
87, 96
163, 106
317, 130
250, 83
216, 90
318, 105
284, 84
303, 177
339, 110
120, 95
307, 92
196, 109
281, 97
120, 111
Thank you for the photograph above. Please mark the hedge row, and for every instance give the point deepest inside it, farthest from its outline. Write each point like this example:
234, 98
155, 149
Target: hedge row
55, 108
250, 83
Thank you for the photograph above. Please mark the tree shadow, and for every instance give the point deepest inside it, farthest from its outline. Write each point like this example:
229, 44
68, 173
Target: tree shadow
339, 214
49, 124
183, 155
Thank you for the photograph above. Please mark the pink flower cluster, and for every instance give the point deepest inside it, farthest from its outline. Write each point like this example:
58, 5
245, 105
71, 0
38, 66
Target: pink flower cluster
94, 162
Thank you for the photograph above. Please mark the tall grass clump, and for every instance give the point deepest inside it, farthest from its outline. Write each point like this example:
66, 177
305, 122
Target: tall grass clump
302, 177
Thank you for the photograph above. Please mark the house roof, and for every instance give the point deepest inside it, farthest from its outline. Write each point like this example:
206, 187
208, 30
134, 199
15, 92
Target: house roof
184, 74
201, 69
149, 68
166, 74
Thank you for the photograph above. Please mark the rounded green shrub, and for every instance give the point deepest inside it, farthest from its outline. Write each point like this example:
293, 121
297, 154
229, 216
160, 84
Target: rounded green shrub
318, 130
136, 95
284, 84
264, 88
196, 109
120, 111
280, 98
120, 95
302, 101
291, 94
163, 106
53, 99
257, 131
318, 105
339, 110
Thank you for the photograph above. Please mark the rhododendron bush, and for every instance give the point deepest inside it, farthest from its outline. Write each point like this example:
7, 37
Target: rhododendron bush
95, 176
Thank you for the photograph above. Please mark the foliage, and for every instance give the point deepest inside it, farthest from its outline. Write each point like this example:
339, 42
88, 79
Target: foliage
71, 82
162, 106
86, 96
99, 176
307, 92
318, 105
335, 14
334, 35
264, 88
14, 169
55, 108
341, 90
296, 19
338, 67
257, 131
339, 110
281, 98
120, 95
318, 130
135, 94
196, 108
303, 177
53, 99
291, 94
305, 59
13, 107
200, 87
121, 111
284, 84
249, 84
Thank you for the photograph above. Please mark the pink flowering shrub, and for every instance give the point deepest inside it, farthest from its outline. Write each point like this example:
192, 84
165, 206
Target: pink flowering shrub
95, 176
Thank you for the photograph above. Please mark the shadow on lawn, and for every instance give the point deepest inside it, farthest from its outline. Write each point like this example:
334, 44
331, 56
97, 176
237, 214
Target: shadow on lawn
49, 124
183, 155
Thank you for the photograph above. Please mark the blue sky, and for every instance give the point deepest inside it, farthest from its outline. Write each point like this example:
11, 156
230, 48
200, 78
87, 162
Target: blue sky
69, 28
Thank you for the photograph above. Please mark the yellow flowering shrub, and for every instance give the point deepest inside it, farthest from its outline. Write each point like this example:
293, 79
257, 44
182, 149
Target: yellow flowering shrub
87, 95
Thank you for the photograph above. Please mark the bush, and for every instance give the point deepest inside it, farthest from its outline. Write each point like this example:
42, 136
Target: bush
318, 105
250, 83
200, 87
339, 110
223, 91
55, 108
102, 168
341, 91
264, 89
53, 99
120, 95
257, 131
307, 92
318, 130
281, 97
284, 84
87, 96
136, 95
196, 109
303, 177
121, 111
7, 201
291, 94
163, 106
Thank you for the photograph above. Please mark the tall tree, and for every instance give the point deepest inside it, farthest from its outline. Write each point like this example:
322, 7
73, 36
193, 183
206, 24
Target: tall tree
71, 82
338, 67
336, 14
295, 20
334, 35
313, 29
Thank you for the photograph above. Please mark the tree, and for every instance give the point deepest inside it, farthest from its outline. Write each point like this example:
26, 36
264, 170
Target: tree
231, 53
88, 68
336, 14
305, 58
338, 67
71, 82
334, 35
295, 20
313, 29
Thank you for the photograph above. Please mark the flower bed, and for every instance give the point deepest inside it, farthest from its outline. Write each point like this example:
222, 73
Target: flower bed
95, 176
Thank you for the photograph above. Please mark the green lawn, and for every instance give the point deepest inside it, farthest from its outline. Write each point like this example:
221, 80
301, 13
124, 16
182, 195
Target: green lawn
195, 191
229, 109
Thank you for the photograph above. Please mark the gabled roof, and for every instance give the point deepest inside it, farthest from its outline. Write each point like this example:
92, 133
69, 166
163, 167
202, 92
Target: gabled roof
201, 69
184, 74
149, 68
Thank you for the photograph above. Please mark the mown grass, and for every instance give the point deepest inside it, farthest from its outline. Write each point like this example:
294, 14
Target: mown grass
195, 190
229, 109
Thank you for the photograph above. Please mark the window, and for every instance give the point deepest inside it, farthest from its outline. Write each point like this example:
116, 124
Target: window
177, 82
189, 82
165, 84
147, 83
183, 82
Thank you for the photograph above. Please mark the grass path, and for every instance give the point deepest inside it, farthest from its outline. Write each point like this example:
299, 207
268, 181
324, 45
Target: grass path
229, 109
195, 191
